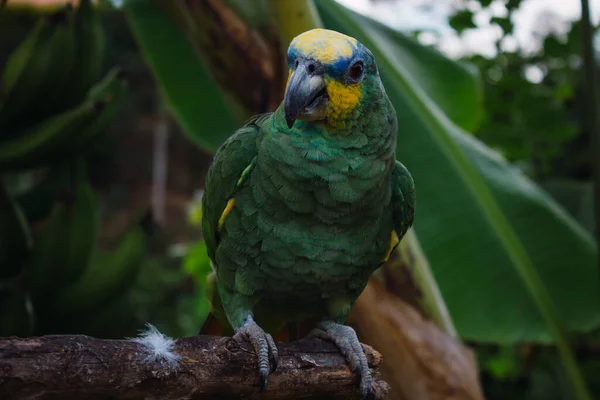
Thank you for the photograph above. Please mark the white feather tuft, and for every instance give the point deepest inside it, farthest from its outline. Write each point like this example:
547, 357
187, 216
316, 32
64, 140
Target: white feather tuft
159, 346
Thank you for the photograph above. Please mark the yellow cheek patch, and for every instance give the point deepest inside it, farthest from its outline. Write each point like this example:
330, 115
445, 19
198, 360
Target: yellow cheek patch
324, 45
393, 242
343, 100
226, 212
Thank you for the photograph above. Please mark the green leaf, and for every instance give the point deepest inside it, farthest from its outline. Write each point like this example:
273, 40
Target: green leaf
16, 313
553, 47
197, 263
513, 4
577, 197
190, 93
255, 13
574, 38
15, 237
503, 22
487, 230
462, 20
504, 362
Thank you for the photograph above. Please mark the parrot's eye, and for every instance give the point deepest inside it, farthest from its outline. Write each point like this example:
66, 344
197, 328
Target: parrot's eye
356, 70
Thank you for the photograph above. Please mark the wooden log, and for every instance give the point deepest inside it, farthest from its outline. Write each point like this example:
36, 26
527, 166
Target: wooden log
208, 367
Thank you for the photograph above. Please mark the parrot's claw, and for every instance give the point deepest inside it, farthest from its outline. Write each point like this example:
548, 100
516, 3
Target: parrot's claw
264, 346
346, 340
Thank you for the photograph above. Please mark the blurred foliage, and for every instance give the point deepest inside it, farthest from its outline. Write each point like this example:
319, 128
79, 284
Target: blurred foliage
534, 98
534, 108
532, 372
197, 263
60, 92
54, 104
205, 118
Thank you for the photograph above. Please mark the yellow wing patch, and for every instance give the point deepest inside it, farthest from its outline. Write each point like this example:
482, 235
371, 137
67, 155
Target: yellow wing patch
226, 212
324, 45
343, 100
393, 243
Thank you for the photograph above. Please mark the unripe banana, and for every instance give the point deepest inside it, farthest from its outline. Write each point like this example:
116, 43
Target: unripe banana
84, 221
59, 74
19, 60
63, 247
15, 237
36, 93
16, 313
37, 202
90, 42
34, 144
108, 277
113, 94
24, 76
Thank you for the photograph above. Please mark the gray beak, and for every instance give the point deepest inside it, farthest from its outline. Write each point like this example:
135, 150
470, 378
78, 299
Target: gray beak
305, 94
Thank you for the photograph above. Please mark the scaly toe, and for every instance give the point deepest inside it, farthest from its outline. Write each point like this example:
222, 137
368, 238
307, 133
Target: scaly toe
264, 347
273, 351
346, 340
366, 387
264, 376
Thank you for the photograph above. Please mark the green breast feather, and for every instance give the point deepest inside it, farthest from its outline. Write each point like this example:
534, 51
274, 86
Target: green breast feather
349, 243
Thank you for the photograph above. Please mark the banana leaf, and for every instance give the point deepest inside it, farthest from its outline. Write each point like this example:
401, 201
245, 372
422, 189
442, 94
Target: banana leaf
190, 93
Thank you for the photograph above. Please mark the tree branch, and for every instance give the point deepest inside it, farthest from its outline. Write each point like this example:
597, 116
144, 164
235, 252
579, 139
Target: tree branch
209, 367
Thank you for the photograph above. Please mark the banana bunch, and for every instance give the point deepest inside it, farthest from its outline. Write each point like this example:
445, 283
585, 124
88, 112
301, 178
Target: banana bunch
16, 316
64, 245
66, 271
108, 277
54, 103
15, 237
51, 103
16, 313
37, 202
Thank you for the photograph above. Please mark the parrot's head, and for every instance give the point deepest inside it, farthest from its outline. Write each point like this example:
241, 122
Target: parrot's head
332, 77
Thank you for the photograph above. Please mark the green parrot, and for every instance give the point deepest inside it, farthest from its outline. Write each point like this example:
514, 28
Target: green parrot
301, 205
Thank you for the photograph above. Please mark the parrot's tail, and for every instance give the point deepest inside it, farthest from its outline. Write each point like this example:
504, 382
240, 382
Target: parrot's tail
216, 321
212, 326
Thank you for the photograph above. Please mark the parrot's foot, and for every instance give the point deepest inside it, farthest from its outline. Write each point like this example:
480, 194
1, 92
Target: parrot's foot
346, 340
263, 344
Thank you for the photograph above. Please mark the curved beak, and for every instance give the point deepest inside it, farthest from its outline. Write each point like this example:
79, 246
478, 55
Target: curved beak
305, 96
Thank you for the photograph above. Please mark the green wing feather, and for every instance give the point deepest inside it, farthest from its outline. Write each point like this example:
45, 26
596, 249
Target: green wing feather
403, 199
231, 163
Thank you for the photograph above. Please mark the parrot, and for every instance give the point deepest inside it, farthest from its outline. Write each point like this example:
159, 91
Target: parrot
302, 204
